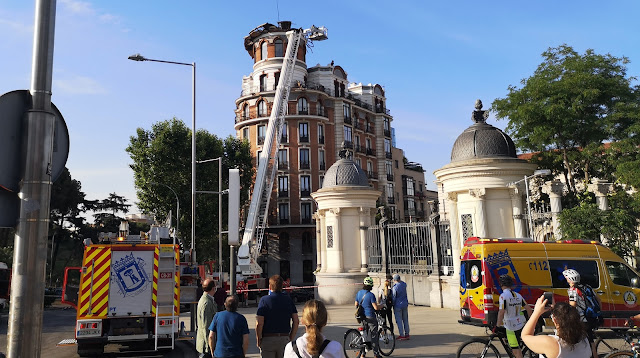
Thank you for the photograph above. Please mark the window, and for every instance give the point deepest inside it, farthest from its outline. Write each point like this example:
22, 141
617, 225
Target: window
279, 48
262, 109
466, 221
284, 137
409, 207
303, 107
305, 213
357, 143
277, 79
320, 108
285, 268
386, 124
321, 161
283, 159
410, 189
307, 243
321, 181
261, 134
305, 185
304, 158
283, 186
387, 147
320, 134
359, 162
390, 190
396, 164
258, 158
588, 272
245, 133
263, 83
283, 213
263, 50
303, 131
348, 135
346, 111
307, 271
245, 112
471, 277
621, 274
389, 168
368, 143
284, 246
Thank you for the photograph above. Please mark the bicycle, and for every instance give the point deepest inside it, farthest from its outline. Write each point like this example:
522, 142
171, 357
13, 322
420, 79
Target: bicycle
356, 343
483, 347
620, 345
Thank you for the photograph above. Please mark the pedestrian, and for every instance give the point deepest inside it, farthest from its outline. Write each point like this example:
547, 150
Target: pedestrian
577, 300
276, 320
510, 314
206, 310
229, 332
385, 299
570, 339
313, 343
367, 300
401, 307
220, 296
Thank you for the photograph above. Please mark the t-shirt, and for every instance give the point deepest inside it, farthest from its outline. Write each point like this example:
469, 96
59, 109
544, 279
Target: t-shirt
367, 303
400, 299
332, 350
230, 328
512, 303
577, 296
276, 309
580, 350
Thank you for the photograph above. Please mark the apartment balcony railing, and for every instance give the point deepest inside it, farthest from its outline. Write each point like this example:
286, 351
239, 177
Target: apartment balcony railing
409, 212
260, 140
420, 195
388, 155
283, 165
347, 120
383, 110
358, 148
291, 220
305, 193
304, 111
283, 194
304, 139
391, 200
348, 144
387, 132
369, 128
356, 124
372, 175
323, 166
283, 221
284, 139
241, 118
321, 139
362, 104
389, 177
305, 165
371, 151
305, 220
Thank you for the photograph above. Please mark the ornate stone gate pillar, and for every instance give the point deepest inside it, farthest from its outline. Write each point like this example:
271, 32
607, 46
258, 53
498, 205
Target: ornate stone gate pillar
554, 190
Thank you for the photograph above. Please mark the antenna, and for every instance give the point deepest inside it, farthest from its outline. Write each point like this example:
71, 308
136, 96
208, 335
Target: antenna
278, 10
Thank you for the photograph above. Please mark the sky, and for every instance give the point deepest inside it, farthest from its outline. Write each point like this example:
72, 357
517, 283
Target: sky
434, 59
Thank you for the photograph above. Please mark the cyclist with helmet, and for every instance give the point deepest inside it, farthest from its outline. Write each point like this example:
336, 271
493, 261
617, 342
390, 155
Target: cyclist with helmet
510, 314
577, 300
367, 299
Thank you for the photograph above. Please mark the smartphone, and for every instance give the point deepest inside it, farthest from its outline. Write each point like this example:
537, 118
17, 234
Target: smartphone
549, 297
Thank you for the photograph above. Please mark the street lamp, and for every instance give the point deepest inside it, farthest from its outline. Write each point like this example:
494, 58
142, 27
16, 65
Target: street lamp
139, 57
177, 205
539, 172
219, 192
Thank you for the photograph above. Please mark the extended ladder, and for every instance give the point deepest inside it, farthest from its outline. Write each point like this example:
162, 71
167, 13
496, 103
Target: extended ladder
165, 301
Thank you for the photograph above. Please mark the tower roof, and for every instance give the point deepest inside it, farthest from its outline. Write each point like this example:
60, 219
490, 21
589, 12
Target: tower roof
345, 172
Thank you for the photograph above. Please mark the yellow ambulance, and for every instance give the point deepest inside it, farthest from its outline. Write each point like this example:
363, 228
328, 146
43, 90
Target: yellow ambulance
536, 267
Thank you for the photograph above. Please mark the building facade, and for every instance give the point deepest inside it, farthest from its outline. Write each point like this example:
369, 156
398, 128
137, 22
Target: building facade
325, 113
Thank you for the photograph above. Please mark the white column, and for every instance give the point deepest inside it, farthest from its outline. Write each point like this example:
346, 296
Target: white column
316, 217
554, 189
456, 238
323, 240
480, 219
516, 208
364, 224
337, 239
601, 189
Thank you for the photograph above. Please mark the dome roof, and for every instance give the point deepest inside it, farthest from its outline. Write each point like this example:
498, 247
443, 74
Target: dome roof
482, 140
345, 172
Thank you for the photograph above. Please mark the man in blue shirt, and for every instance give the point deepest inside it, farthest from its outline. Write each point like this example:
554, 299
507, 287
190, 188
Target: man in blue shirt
229, 332
276, 320
401, 307
368, 301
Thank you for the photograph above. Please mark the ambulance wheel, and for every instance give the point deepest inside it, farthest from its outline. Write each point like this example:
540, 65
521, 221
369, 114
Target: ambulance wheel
90, 350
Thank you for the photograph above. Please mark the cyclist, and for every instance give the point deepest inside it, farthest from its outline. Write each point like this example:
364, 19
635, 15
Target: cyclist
510, 314
368, 301
577, 300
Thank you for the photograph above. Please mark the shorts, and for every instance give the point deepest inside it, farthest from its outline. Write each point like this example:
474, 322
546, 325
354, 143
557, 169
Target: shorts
514, 338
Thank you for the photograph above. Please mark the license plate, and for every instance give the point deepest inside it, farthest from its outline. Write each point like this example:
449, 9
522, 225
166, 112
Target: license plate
164, 275
89, 332
166, 249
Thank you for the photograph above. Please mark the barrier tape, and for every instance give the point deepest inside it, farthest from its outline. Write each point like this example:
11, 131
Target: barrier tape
291, 288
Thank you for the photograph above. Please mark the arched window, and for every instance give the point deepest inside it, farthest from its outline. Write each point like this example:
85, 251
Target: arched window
279, 52
303, 107
262, 109
245, 112
263, 50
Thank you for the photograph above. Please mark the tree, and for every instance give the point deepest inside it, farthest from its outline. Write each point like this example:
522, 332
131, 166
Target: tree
162, 157
571, 105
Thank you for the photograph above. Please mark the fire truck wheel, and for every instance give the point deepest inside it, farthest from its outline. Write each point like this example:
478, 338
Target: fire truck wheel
90, 350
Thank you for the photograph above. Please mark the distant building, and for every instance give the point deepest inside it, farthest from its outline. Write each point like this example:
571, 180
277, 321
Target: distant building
325, 113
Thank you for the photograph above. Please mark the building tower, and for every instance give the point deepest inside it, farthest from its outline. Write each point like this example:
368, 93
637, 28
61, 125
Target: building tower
325, 114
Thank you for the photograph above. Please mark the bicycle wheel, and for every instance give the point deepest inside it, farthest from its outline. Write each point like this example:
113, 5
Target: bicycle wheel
353, 343
605, 346
387, 341
477, 348
619, 354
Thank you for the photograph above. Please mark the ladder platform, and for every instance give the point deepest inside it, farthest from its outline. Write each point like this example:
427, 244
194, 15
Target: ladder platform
67, 342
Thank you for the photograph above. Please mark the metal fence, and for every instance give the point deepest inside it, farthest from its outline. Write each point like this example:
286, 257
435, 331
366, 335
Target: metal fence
409, 248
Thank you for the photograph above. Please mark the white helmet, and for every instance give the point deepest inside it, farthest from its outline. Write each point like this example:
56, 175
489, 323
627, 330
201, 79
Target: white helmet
571, 275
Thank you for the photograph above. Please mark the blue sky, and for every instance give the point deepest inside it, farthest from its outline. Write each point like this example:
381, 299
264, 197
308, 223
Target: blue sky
434, 60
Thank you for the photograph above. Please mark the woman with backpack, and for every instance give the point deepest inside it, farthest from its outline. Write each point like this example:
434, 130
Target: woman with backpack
580, 297
313, 344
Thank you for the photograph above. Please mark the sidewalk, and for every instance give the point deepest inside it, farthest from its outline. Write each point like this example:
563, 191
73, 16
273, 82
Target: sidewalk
435, 332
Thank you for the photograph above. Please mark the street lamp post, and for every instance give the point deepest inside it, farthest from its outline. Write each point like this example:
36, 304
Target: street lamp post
536, 173
177, 205
219, 159
139, 57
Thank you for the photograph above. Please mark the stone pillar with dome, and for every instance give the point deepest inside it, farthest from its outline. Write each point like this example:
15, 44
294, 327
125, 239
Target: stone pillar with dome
476, 196
346, 206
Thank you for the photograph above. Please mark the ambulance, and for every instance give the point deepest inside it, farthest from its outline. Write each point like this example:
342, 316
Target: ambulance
536, 267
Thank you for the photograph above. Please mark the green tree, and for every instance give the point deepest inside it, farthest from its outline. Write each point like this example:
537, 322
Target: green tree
571, 105
162, 157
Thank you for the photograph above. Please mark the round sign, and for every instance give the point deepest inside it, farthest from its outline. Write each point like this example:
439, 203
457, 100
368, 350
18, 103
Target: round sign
630, 298
475, 273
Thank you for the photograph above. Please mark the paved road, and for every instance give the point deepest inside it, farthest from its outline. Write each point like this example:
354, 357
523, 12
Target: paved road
434, 333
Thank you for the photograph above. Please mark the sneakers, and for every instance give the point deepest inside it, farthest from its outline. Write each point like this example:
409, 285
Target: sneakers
404, 338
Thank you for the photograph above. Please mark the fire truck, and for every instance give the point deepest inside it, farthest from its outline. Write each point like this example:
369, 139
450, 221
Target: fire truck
127, 291
5, 284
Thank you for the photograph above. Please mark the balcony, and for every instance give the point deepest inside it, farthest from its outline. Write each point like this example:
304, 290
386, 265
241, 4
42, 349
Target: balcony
389, 177
387, 132
323, 166
391, 200
371, 151
283, 194
383, 110
305, 193
284, 139
283, 165
304, 111
241, 118
305, 220
348, 144
347, 120
369, 128
372, 175
304, 139
357, 125
260, 140
358, 148
388, 155
362, 104
321, 139
409, 212
305, 165
283, 221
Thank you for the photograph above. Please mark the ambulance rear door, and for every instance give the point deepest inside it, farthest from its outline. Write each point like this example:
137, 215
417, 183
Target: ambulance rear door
131, 281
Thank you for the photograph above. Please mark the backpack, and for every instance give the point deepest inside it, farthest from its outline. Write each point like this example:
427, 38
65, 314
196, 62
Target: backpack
592, 311
324, 345
360, 310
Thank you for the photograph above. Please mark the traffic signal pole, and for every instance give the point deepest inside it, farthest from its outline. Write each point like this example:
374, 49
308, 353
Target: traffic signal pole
24, 336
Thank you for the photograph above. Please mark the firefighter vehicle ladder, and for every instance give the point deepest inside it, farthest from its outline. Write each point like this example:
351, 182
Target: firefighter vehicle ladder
268, 162
165, 301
